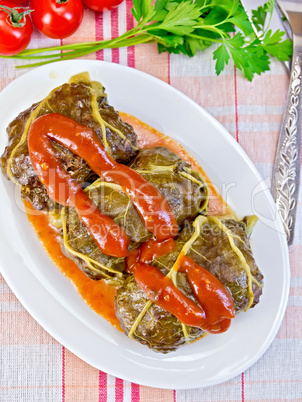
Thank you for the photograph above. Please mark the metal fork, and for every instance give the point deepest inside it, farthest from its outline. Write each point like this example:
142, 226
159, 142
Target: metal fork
286, 172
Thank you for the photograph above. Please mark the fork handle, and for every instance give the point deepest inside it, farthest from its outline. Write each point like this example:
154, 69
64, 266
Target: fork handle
286, 172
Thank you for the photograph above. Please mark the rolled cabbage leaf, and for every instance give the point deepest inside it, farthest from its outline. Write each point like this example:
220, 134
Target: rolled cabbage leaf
77, 242
148, 323
85, 102
183, 187
220, 245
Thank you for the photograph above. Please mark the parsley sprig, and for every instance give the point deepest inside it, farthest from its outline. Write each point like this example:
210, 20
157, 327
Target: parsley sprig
188, 26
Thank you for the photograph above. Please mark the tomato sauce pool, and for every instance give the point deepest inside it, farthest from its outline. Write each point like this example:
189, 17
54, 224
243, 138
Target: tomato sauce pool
99, 295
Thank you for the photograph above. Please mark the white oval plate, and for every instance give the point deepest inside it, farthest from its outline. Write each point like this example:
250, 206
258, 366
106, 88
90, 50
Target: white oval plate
53, 301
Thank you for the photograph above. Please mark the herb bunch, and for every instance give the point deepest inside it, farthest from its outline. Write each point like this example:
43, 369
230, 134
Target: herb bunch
188, 26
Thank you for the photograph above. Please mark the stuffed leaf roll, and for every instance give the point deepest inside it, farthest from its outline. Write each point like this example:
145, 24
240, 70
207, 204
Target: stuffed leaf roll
148, 323
86, 103
81, 247
183, 187
221, 246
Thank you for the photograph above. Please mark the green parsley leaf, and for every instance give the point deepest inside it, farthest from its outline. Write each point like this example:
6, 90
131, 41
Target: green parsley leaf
257, 63
272, 38
142, 10
230, 6
194, 44
273, 45
262, 61
160, 5
269, 6
171, 40
201, 3
237, 41
242, 22
239, 57
181, 19
222, 57
215, 16
137, 10
259, 17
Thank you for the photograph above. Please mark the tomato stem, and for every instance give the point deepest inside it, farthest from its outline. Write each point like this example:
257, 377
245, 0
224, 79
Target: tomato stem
14, 16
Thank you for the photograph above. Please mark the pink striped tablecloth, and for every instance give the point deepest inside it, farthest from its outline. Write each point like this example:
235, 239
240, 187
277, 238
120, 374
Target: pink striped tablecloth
35, 367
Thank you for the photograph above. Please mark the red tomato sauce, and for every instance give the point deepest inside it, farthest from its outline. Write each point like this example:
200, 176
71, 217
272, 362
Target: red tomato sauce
216, 305
99, 295
152, 207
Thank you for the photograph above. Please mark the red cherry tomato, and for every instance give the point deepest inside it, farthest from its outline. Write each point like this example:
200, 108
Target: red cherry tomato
17, 2
101, 5
57, 19
15, 29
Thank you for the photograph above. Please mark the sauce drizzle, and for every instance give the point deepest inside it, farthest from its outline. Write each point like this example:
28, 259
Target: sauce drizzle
215, 307
61, 187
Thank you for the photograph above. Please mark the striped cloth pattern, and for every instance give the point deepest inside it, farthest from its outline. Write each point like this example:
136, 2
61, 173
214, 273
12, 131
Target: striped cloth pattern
35, 367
